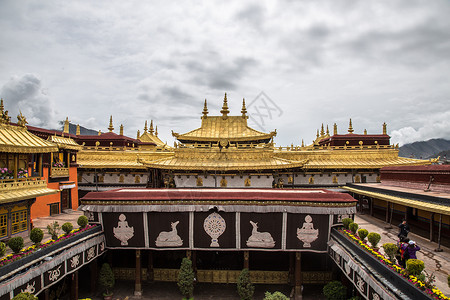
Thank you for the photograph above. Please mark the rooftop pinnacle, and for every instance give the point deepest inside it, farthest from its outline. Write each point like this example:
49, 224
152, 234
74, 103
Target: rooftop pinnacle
350, 127
244, 109
225, 110
110, 127
205, 110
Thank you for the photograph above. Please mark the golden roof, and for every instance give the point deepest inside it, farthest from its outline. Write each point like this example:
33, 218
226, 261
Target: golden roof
64, 142
150, 138
16, 139
23, 189
223, 160
127, 159
231, 128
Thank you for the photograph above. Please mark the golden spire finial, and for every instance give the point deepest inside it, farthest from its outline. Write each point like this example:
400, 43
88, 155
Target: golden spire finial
205, 110
1, 105
78, 130
328, 131
322, 132
244, 109
335, 129
303, 143
225, 110
365, 131
110, 127
151, 127
66, 125
121, 129
99, 132
384, 128
350, 127
317, 135
145, 126
138, 134
156, 130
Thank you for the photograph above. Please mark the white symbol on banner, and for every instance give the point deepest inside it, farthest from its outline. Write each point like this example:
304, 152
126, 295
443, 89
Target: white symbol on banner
90, 215
90, 253
340, 217
102, 246
260, 239
360, 284
30, 288
214, 226
75, 261
347, 268
123, 232
169, 238
307, 234
53, 275
376, 296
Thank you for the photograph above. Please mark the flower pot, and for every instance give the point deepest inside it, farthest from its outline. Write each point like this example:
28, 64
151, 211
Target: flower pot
108, 297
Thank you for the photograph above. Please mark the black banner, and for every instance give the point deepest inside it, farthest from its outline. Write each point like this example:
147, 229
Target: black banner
307, 231
168, 230
215, 230
259, 230
124, 229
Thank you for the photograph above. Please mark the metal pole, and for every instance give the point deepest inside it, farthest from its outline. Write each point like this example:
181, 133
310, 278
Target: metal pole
438, 249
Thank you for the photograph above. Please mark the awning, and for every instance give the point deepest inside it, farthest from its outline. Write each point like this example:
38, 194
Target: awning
436, 208
64, 185
64, 142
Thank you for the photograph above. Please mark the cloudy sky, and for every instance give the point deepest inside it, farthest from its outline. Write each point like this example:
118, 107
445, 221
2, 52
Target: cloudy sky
298, 64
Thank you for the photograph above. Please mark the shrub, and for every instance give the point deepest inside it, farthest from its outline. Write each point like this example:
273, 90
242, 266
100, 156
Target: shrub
335, 290
82, 221
2, 249
346, 222
244, 285
53, 230
25, 296
16, 244
36, 235
106, 278
373, 238
390, 250
353, 227
186, 278
414, 266
362, 233
275, 296
67, 227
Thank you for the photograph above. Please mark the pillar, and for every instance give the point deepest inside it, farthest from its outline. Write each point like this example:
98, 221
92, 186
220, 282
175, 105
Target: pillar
47, 294
137, 274
40, 165
387, 211
246, 257
93, 266
150, 273
194, 262
291, 268
298, 276
74, 286
431, 226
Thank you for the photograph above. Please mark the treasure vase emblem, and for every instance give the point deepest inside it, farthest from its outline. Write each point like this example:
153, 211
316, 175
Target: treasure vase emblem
214, 226
307, 234
123, 232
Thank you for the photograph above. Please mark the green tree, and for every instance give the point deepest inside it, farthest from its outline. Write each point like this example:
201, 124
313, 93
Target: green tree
275, 296
335, 290
106, 278
244, 285
186, 279
36, 235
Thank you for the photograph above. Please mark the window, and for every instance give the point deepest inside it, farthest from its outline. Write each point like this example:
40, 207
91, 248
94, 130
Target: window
18, 221
3, 225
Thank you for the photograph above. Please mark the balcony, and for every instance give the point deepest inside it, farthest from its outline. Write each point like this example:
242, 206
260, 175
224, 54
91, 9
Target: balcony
56, 172
12, 190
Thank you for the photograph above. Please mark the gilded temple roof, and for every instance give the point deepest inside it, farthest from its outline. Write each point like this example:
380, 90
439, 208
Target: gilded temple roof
150, 136
231, 128
223, 160
64, 142
24, 189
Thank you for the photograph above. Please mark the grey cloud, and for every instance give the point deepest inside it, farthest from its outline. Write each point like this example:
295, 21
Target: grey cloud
253, 15
26, 94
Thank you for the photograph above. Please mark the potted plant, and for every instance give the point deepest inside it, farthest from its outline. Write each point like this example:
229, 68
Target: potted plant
373, 239
67, 227
82, 221
106, 280
275, 296
353, 227
53, 230
362, 233
36, 235
335, 290
16, 244
25, 296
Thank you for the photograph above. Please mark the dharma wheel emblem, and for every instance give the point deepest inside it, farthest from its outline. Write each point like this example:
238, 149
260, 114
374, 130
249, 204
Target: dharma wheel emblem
214, 226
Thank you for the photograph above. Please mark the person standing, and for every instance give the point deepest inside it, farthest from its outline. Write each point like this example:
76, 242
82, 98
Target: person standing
411, 248
404, 229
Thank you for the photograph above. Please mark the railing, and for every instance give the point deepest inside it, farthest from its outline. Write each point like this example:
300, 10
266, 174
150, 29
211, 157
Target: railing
59, 172
8, 185
386, 277
44, 267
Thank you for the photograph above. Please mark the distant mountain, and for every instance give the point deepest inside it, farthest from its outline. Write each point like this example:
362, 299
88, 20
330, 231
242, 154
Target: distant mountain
427, 149
83, 130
